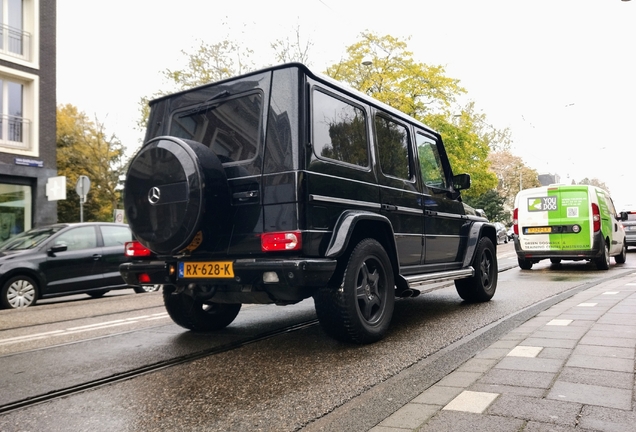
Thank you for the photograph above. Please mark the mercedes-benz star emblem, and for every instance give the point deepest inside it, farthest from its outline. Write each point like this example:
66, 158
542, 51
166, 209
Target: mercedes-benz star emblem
154, 195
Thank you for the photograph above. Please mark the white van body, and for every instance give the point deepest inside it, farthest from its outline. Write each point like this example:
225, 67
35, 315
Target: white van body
567, 222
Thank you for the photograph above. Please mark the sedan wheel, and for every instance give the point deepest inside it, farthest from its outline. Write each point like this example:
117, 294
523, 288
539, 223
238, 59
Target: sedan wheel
19, 292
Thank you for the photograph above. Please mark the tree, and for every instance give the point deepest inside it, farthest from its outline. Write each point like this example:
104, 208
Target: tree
383, 68
513, 174
594, 182
84, 148
493, 204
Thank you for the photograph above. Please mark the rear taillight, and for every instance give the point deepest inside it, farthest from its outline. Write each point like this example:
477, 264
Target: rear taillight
136, 249
515, 221
143, 278
281, 241
596, 217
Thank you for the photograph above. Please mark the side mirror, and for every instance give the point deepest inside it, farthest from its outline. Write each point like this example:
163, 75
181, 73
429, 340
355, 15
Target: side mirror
58, 247
622, 216
461, 181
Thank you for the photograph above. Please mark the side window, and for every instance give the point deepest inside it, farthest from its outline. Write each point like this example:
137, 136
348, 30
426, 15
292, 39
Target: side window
78, 238
430, 162
393, 148
339, 130
115, 235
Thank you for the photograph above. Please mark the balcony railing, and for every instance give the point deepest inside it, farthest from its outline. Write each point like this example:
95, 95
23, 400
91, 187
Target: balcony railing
15, 43
15, 132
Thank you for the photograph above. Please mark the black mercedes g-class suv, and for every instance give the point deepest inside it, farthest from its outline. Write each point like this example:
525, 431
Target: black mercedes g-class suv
283, 184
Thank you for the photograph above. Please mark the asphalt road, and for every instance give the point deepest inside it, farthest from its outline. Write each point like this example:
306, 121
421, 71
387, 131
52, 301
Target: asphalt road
297, 380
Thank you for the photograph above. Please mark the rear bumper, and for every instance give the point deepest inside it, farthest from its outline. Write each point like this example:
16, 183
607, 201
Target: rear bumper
537, 255
294, 275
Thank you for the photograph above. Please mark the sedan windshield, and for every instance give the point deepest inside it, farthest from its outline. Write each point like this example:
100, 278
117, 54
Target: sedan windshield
28, 239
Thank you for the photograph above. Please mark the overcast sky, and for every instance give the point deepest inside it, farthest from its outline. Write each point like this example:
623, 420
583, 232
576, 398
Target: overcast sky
561, 74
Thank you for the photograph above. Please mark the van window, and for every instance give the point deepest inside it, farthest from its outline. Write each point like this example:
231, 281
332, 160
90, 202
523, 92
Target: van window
393, 148
430, 162
229, 127
339, 130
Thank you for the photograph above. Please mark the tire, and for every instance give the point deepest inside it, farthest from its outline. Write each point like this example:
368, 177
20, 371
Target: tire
483, 284
603, 262
147, 288
620, 259
180, 181
97, 294
555, 260
19, 292
198, 316
524, 264
359, 307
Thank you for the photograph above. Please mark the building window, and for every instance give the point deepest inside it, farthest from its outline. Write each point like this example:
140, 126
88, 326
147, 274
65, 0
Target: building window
18, 105
15, 210
15, 40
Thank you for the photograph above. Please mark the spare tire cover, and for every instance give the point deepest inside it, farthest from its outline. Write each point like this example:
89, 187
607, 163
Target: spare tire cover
170, 185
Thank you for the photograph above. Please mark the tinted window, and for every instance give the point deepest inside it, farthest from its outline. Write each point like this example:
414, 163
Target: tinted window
339, 130
393, 146
115, 235
78, 238
229, 127
430, 162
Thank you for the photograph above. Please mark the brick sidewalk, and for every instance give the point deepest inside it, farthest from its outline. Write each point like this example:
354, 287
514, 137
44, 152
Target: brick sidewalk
571, 368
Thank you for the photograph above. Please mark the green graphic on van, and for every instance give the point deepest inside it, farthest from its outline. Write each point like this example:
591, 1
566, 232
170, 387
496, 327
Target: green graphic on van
548, 203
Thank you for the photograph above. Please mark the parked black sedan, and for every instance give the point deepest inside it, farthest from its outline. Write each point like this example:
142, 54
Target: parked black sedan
62, 259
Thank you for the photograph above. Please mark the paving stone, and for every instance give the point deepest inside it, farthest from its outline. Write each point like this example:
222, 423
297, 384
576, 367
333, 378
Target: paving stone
607, 419
457, 421
471, 401
438, 395
608, 352
561, 333
516, 390
460, 379
603, 363
389, 429
541, 380
492, 353
555, 353
546, 427
477, 365
550, 343
591, 395
410, 416
530, 364
541, 410
619, 380
607, 341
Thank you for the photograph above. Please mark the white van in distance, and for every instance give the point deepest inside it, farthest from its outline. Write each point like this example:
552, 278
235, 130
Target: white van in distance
561, 222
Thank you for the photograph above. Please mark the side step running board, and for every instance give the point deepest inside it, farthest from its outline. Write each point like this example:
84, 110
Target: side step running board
439, 277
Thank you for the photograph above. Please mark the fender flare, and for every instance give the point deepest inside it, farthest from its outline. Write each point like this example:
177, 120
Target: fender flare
476, 231
345, 226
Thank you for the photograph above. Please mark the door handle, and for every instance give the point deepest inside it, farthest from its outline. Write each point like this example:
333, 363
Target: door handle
244, 196
96, 257
389, 207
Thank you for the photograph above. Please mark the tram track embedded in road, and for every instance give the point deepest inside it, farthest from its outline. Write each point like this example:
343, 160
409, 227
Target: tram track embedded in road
123, 376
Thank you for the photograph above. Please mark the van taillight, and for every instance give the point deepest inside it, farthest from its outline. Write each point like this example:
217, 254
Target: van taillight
136, 249
281, 241
515, 221
596, 217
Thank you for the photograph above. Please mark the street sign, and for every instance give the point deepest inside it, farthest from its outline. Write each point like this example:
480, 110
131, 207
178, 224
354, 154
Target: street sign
83, 185
56, 188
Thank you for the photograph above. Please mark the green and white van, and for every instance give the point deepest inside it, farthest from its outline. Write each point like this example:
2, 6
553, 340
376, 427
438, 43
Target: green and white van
560, 222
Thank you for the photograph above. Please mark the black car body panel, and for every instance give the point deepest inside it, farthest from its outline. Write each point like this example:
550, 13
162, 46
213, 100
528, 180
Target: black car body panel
304, 156
65, 259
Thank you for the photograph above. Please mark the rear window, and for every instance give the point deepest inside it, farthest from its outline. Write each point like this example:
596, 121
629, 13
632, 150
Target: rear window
230, 127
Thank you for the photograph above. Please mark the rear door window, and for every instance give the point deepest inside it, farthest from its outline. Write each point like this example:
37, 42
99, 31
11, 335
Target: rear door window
230, 127
393, 148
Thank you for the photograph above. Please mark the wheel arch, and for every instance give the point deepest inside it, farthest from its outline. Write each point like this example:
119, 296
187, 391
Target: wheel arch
476, 231
355, 225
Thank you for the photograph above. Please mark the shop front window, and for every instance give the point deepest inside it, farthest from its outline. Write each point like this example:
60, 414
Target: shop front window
15, 210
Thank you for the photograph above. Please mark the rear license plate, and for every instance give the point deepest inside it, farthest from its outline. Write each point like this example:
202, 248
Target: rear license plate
539, 230
206, 269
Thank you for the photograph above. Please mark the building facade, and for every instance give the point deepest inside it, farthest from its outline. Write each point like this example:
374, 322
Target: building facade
27, 114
